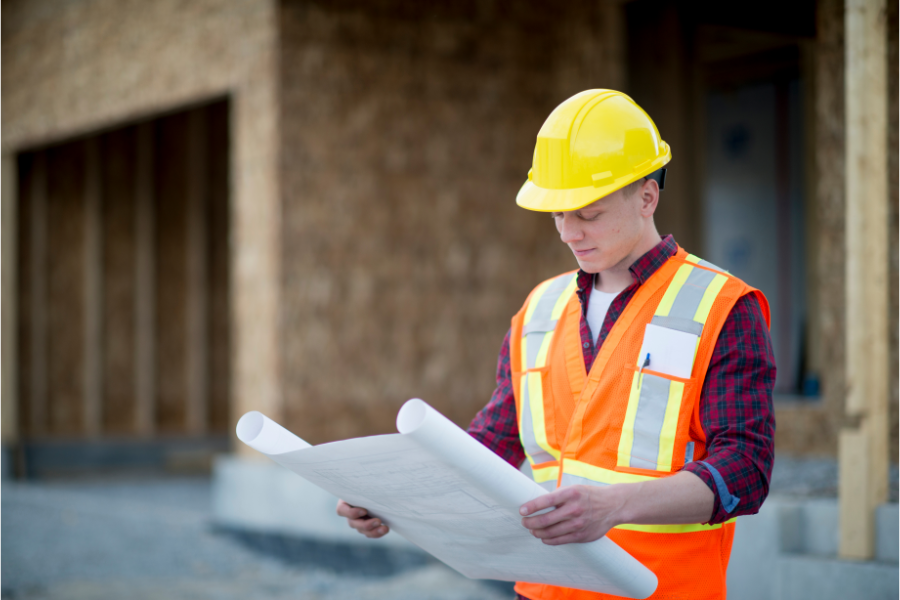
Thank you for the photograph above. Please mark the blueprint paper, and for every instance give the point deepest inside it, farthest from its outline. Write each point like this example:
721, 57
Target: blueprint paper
442, 490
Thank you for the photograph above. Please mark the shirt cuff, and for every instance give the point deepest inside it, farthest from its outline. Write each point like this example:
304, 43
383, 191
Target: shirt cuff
728, 502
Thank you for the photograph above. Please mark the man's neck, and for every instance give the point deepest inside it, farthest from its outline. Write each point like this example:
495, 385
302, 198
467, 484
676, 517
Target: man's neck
617, 278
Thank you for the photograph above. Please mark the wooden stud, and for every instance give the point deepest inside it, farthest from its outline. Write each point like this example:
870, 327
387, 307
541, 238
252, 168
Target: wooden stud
866, 271
857, 522
9, 418
38, 333
144, 272
93, 292
197, 277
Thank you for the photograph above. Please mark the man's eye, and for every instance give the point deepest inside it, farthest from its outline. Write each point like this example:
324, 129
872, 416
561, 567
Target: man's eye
590, 217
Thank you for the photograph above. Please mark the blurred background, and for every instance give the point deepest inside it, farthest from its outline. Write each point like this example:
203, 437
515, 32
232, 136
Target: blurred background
307, 208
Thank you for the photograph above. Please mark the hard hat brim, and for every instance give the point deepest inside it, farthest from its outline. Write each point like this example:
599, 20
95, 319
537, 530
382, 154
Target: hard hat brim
540, 199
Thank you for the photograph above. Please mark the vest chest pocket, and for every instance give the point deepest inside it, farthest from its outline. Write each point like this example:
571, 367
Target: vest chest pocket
654, 434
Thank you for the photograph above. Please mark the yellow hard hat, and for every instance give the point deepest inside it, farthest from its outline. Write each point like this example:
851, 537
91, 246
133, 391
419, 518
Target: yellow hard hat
594, 143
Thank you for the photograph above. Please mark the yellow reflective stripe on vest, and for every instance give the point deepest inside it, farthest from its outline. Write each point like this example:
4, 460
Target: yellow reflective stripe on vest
685, 528
544, 309
533, 432
715, 286
580, 473
651, 418
546, 476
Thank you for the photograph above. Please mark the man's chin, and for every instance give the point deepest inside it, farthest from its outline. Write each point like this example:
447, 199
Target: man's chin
589, 266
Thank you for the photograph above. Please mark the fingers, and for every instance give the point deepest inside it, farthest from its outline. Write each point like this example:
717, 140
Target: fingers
350, 512
566, 524
546, 501
359, 519
564, 512
574, 525
553, 499
571, 538
371, 528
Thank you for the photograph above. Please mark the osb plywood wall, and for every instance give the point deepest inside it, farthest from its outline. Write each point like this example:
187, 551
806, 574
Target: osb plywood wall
813, 430
408, 128
73, 68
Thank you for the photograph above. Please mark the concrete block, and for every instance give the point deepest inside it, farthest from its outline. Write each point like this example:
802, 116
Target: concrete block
887, 528
755, 550
819, 525
803, 577
259, 495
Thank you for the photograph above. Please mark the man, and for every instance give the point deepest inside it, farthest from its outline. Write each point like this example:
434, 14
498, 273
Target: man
638, 387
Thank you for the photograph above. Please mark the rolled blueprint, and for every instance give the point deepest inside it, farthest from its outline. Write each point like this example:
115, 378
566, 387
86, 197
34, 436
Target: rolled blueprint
445, 492
262, 433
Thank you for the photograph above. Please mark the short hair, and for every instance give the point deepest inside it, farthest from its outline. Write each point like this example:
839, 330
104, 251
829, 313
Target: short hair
632, 188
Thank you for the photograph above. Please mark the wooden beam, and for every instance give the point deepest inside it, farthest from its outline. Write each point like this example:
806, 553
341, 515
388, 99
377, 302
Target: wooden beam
93, 292
866, 275
9, 417
856, 533
197, 275
144, 285
38, 333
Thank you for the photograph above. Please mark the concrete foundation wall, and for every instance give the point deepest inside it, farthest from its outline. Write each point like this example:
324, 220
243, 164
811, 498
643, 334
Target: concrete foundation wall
408, 128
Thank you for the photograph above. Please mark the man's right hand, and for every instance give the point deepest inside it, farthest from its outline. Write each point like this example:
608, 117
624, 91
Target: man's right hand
359, 519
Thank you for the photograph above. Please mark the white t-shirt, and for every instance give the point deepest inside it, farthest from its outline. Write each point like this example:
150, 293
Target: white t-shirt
598, 306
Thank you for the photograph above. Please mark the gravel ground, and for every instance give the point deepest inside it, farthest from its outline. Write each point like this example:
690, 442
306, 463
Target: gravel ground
113, 539
813, 478
152, 539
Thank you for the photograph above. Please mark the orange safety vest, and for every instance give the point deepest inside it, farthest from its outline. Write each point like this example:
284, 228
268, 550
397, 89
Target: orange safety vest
621, 423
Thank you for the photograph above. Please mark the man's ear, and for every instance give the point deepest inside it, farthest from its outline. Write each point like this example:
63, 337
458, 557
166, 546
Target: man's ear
649, 193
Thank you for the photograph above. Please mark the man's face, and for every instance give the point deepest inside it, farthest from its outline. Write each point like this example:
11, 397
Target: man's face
603, 233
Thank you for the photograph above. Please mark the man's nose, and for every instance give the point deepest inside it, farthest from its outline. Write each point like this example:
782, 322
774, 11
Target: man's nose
569, 230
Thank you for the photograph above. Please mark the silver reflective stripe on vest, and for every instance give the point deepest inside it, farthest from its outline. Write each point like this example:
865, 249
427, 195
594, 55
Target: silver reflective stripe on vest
691, 293
709, 265
532, 449
648, 422
679, 324
548, 485
704, 263
535, 326
689, 453
541, 321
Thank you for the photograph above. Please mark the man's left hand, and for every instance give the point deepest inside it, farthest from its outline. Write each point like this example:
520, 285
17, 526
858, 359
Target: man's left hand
583, 514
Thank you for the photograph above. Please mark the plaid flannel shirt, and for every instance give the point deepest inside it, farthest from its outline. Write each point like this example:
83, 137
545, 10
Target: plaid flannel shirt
736, 409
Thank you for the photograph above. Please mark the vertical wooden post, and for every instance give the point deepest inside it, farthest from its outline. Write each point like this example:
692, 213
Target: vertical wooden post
9, 430
144, 288
197, 283
93, 292
864, 452
255, 273
38, 333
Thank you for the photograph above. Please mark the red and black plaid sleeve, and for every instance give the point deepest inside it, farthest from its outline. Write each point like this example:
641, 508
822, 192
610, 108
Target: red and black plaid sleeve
737, 414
